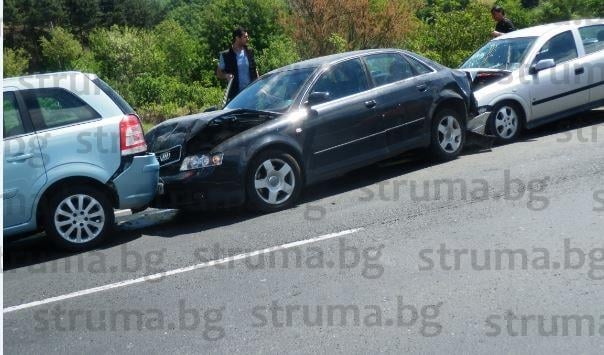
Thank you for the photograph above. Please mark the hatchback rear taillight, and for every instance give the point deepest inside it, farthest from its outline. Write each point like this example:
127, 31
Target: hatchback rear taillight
132, 138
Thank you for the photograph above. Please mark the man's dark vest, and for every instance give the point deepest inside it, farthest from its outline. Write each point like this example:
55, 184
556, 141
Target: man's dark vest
230, 67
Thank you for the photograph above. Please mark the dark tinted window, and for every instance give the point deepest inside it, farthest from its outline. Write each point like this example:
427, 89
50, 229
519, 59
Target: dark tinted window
560, 48
388, 68
343, 79
11, 118
593, 38
119, 101
49, 108
420, 68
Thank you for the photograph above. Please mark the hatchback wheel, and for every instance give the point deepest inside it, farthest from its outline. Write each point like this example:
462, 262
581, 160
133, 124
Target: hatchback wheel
78, 218
274, 181
505, 122
448, 135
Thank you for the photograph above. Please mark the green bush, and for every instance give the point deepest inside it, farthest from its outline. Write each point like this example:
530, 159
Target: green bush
453, 36
60, 50
15, 62
280, 52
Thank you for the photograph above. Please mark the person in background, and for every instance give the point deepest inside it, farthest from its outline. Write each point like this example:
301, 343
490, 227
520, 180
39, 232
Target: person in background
504, 25
237, 64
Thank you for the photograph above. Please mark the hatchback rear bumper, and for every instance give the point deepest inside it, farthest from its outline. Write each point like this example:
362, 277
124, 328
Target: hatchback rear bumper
137, 184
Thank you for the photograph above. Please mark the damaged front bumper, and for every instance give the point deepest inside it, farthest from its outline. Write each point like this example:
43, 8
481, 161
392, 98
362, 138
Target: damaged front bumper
204, 189
478, 123
477, 131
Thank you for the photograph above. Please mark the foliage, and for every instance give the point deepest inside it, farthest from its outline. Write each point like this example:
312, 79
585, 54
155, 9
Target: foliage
453, 36
161, 55
61, 50
280, 52
15, 62
360, 23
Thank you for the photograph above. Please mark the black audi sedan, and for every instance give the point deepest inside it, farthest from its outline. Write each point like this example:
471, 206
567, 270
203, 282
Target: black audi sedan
308, 122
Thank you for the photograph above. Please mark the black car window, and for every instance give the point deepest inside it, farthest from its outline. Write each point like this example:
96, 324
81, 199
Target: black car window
388, 68
560, 48
50, 108
342, 79
593, 38
420, 68
11, 117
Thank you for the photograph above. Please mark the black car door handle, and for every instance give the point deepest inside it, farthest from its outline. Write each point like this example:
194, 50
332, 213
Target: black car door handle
370, 104
579, 71
422, 87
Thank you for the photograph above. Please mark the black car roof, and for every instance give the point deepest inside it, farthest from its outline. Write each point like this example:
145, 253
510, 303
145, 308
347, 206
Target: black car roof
328, 59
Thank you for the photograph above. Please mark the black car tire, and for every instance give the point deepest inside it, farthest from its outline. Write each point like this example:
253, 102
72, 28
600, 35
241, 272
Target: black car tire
505, 117
79, 209
448, 135
270, 190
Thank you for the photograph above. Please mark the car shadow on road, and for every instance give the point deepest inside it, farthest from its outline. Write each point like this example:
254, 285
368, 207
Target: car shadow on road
36, 249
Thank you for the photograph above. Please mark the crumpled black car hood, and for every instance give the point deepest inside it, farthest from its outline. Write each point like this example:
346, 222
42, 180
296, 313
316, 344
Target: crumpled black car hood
180, 130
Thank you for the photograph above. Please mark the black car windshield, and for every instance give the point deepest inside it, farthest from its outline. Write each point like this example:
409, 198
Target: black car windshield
505, 54
274, 92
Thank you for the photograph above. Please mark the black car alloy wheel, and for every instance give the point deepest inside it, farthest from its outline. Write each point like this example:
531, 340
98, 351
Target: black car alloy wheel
274, 181
448, 135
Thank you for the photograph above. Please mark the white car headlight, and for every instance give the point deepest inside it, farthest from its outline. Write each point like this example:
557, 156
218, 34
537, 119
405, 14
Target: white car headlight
200, 161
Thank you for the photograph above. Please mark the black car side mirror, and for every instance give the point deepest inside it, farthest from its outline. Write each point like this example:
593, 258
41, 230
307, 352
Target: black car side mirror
542, 65
211, 108
317, 97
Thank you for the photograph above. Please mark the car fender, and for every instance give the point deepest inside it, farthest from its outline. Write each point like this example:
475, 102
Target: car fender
511, 97
274, 140
72, 170
444, 95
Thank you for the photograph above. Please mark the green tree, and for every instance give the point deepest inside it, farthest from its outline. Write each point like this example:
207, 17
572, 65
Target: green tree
453, 36
84, 15
180, 49
15, 62
61, 50
281, 51
125, 52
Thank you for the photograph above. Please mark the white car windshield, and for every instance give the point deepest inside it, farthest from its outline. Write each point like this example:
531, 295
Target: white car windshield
274, 92
506, 54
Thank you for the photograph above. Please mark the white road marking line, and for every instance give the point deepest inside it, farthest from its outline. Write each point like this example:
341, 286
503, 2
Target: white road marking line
178, 271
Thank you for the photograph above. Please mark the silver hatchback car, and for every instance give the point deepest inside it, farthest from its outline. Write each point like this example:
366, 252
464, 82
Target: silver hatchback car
73, 151
536, 75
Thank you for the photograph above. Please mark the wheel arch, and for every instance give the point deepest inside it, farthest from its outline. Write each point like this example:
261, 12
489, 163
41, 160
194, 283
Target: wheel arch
449, 98
72, 181
282, 145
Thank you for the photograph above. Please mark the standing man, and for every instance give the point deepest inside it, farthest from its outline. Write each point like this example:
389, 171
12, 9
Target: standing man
237, 64
504, 25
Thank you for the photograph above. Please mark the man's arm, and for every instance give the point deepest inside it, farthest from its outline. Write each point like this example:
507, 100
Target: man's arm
220, 73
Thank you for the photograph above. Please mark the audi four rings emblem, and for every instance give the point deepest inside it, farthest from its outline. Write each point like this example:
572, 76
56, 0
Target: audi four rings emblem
164, 156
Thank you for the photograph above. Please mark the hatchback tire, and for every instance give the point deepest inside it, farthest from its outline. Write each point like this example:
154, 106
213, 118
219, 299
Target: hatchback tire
273, 181
505, 122
78, 218
448, 135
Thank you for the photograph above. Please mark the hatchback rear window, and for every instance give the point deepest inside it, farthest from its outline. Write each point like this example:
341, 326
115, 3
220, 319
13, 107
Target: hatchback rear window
119, 101
56, 107
593, 38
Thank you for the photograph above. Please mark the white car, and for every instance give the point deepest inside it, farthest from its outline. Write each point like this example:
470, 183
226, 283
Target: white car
536, 75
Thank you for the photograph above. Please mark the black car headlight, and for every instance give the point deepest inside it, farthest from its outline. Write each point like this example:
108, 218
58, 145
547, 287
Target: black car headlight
199, 161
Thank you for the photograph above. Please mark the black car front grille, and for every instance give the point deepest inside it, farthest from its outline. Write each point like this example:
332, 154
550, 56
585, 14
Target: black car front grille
169, 156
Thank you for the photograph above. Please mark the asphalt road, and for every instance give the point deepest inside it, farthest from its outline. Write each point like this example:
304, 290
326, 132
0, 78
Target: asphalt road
499, 251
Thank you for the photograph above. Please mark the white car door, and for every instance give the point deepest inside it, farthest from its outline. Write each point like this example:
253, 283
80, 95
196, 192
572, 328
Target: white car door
593, 42
564, 86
